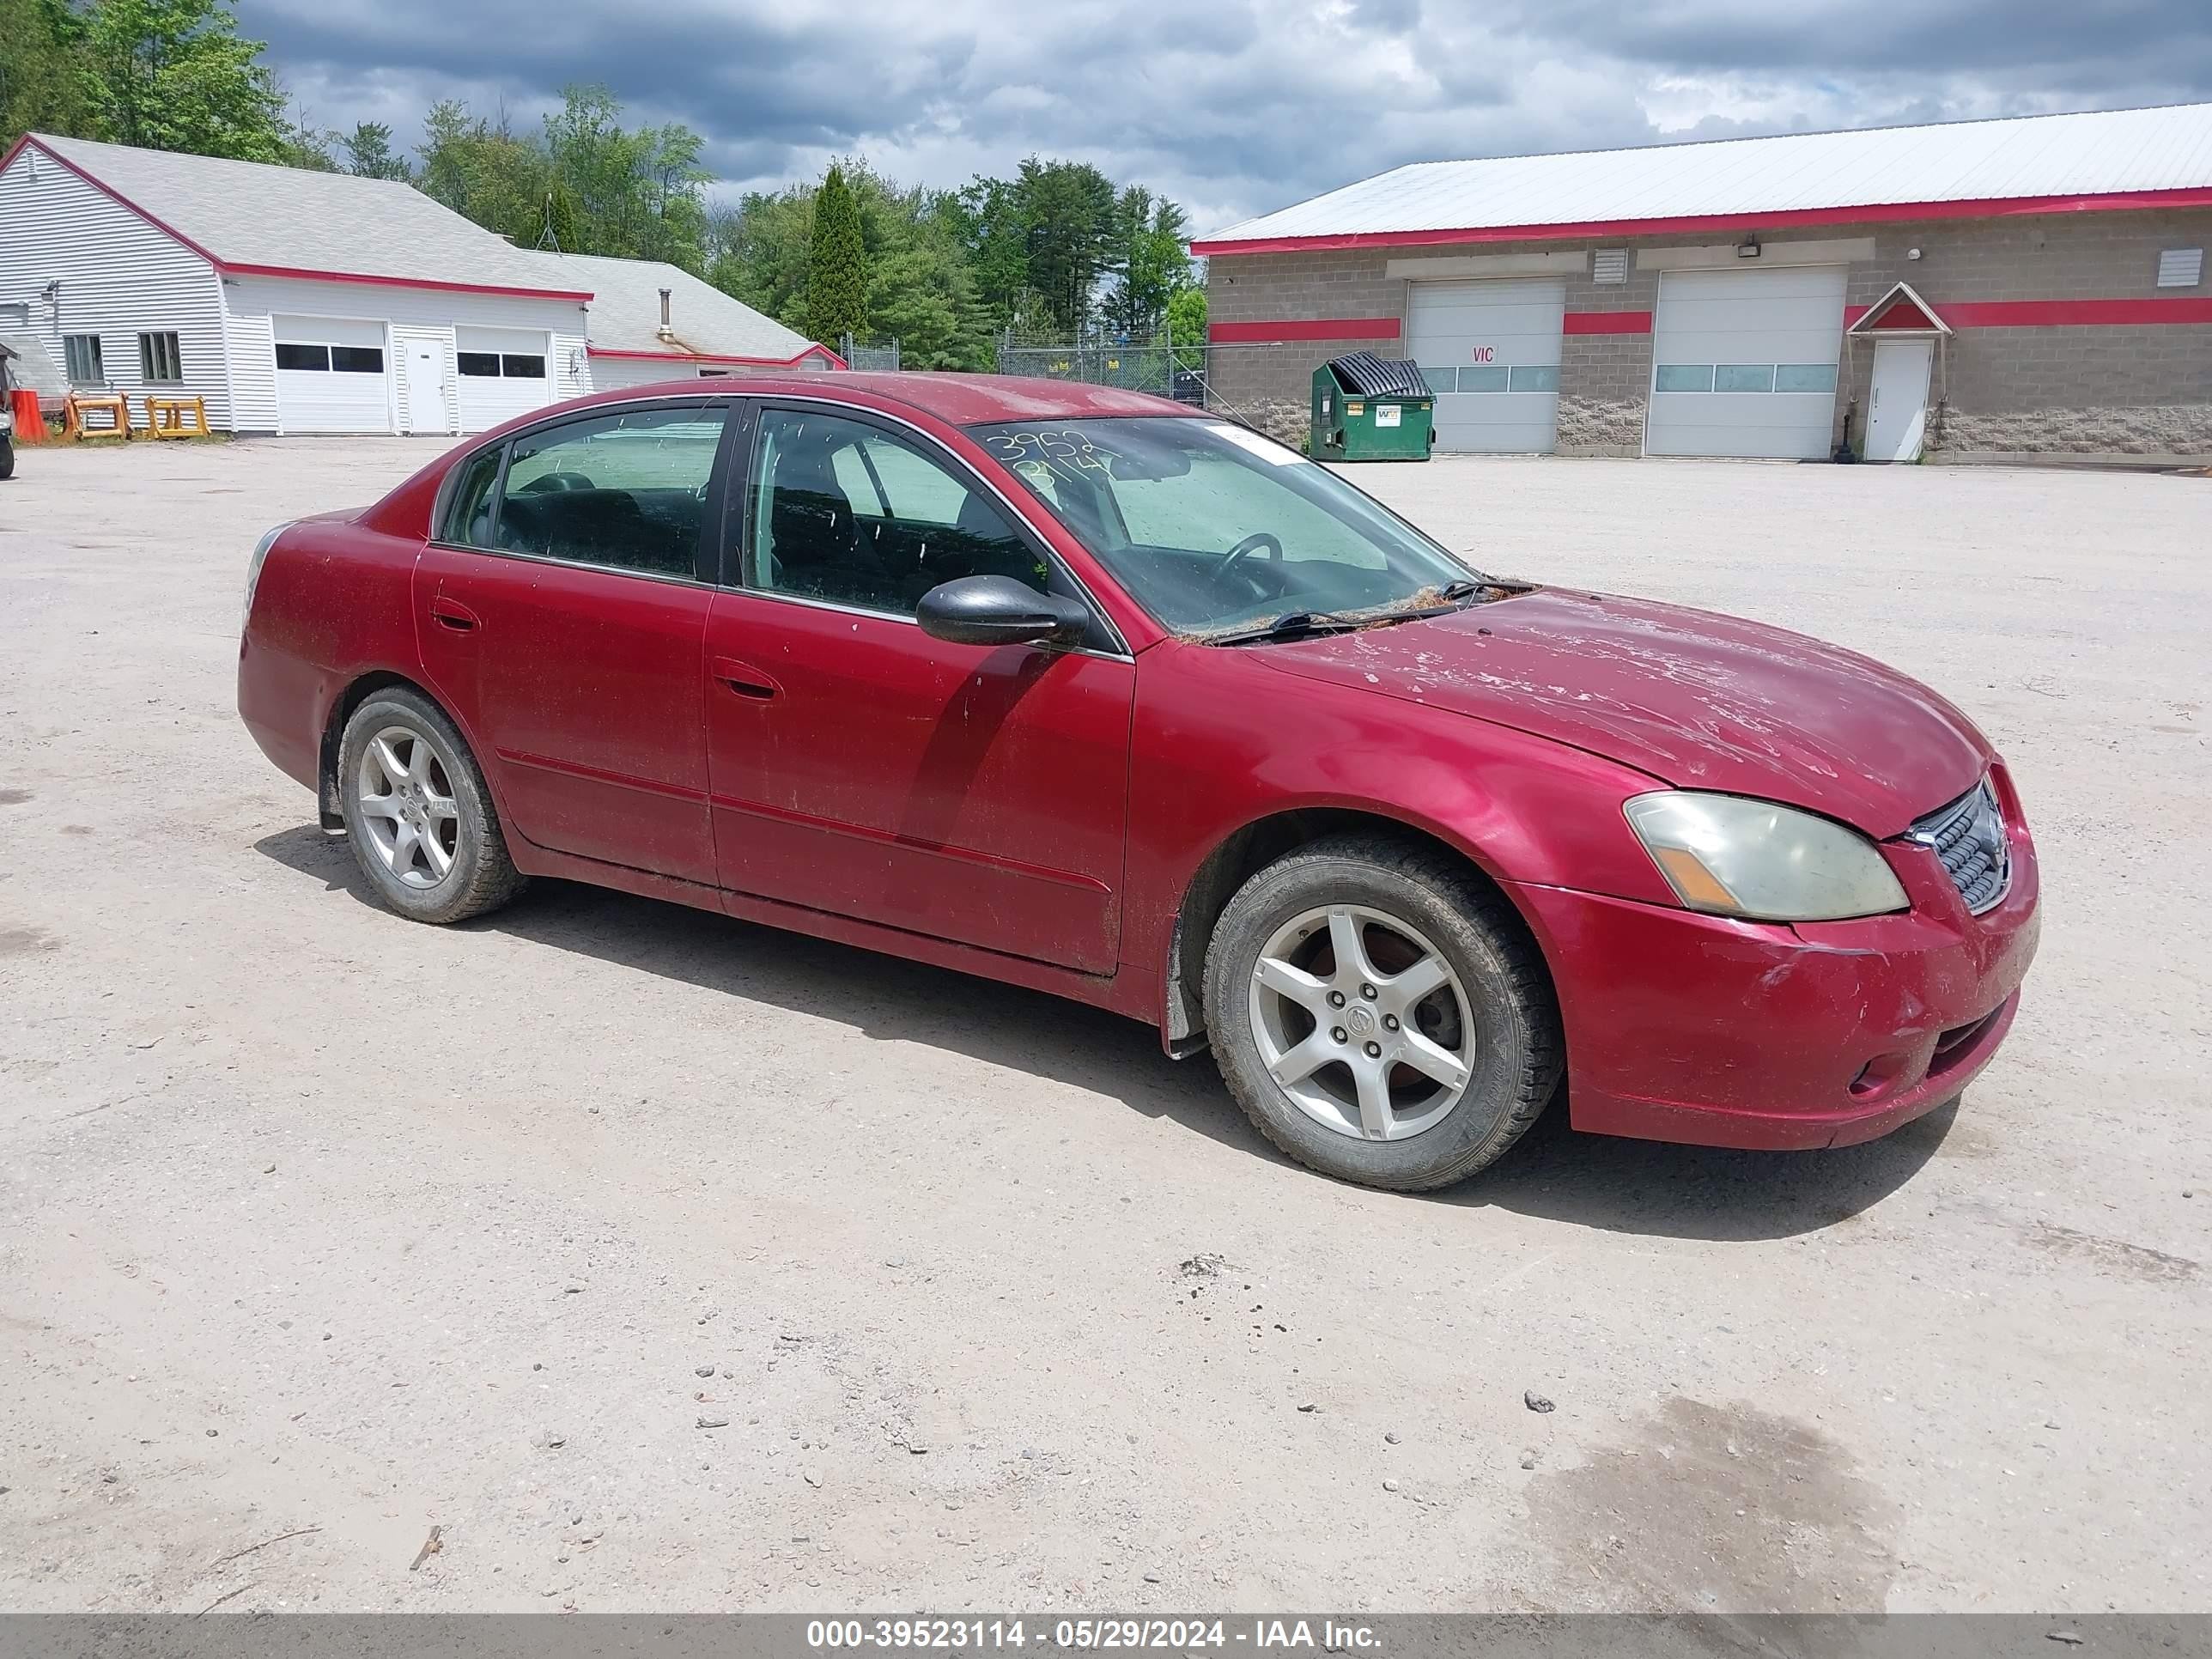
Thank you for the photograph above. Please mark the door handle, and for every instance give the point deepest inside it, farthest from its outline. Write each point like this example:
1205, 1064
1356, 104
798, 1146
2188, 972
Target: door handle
744, 679
451, 613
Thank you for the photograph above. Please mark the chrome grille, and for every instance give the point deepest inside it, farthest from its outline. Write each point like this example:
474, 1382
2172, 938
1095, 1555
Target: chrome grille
1968, 836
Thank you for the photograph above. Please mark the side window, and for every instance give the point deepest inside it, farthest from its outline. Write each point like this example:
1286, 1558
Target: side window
468, 513
628, 489
847, 513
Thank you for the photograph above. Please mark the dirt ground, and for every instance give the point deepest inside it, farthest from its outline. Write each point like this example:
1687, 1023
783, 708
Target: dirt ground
323, 1234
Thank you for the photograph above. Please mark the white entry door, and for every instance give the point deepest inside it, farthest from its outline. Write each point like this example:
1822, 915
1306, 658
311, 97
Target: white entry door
1490, 350
1743, 362
426, 387
1897, 406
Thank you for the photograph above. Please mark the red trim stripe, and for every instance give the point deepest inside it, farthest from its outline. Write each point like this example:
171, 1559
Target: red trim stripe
579, 296
1307, 328
1606, 322
2059, 314
1876, 213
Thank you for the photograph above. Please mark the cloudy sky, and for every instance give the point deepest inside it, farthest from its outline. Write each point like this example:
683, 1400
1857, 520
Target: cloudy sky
1233, 106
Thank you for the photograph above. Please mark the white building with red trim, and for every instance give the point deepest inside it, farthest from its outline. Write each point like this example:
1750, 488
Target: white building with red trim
2029, 287
296, 301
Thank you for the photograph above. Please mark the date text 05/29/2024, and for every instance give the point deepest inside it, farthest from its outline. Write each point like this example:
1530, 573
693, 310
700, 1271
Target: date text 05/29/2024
1170, 1635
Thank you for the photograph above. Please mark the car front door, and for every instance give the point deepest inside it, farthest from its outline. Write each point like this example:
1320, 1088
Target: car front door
562, 617
860, 767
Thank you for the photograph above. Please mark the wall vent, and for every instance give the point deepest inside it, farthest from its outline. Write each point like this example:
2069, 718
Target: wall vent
2181, 267
1609, 265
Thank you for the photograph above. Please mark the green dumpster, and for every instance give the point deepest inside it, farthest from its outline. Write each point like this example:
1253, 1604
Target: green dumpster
1367, 408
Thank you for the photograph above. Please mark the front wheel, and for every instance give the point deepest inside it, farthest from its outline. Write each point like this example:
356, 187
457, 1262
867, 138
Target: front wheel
1381, 1014
421, 821
7, 458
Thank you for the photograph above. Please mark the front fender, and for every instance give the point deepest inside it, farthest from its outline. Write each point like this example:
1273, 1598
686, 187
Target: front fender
1219, 746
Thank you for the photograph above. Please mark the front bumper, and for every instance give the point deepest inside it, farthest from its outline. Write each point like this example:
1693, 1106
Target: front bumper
1691, 1028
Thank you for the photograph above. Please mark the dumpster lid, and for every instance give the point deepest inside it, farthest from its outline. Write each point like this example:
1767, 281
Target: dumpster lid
1371, 376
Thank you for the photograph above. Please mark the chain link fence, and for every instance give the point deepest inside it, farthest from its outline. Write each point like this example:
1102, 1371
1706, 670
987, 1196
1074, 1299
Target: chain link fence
869, 357
1152, 366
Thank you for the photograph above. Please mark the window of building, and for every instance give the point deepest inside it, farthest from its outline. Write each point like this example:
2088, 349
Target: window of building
845, 511
521, 365
480, 365
1744, 377
303, 356
81, 353
357, 360
1536, 377
160, 363
627, 490
1805, 377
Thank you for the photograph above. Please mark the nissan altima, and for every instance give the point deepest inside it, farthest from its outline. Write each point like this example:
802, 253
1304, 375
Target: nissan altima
1082, 691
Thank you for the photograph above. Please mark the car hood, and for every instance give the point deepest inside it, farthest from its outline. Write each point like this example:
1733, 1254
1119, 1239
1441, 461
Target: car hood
1698, 701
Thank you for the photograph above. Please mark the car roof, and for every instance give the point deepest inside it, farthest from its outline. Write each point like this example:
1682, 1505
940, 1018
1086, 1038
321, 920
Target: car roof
955, 399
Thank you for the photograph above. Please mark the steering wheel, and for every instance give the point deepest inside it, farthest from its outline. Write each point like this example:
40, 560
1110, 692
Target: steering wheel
1251, 543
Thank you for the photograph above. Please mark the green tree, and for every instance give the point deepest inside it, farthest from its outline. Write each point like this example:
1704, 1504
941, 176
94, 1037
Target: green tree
369, 155
483, 172
836, 264
1067, 208
1152, 259
1186, 317
175, 75
40, 89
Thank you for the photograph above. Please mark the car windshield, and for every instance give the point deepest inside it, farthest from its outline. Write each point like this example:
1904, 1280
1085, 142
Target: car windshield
1217, 530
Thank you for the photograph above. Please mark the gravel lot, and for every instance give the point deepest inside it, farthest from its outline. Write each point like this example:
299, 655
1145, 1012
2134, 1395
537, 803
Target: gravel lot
319, 1230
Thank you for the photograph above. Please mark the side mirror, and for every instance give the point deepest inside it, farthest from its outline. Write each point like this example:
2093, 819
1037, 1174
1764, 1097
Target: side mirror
998, 610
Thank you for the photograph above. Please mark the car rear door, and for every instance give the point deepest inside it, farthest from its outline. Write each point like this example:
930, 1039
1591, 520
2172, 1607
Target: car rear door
562, 616
858, 766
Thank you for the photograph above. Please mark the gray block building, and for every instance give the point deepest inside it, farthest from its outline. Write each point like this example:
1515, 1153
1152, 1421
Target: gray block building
2031, 287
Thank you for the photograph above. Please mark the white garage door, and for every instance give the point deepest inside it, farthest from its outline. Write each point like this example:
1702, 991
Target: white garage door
1743, 362
504, 372
332, 376
1491, 353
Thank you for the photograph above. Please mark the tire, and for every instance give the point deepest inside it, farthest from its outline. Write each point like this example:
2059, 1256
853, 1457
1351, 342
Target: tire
1411, 908
401, 740
7, 458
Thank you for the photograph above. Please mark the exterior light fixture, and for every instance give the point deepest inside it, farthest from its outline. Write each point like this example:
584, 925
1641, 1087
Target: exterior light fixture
1747, 248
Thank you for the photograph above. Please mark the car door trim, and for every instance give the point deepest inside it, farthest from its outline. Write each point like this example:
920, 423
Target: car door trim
916, 843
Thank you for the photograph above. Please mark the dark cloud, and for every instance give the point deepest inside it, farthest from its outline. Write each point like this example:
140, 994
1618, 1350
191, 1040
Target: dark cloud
1233, 107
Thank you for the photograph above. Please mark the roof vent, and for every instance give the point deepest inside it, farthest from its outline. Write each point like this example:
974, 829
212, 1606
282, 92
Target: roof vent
1609, 265
2181, 267
667, 330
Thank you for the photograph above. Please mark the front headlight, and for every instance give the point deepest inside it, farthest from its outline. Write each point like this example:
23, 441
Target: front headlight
1731, 856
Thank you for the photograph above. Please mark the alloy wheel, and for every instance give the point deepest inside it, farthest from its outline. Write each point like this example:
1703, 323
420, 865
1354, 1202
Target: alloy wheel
404, 792
1362, 1023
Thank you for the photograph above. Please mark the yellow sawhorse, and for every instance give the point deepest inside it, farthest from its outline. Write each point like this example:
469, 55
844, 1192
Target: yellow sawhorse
176, 418
78, 404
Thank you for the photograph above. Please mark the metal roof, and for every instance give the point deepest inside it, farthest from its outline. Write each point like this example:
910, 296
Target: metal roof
256, 219
625, 313
2116, 158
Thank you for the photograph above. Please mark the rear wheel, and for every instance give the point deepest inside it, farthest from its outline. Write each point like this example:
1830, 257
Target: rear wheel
421, 821
1379, 1013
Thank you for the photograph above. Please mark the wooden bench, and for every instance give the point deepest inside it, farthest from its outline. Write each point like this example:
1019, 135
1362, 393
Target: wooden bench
78, 404
176, 418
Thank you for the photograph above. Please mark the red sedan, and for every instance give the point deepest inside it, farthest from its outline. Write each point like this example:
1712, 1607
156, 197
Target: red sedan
1097, 694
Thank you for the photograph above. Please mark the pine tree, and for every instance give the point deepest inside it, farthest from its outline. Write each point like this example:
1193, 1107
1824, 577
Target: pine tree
837, 265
